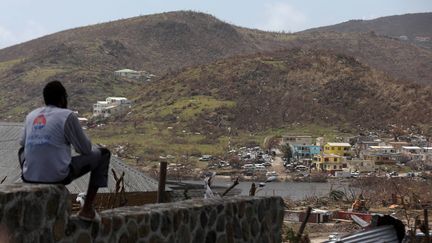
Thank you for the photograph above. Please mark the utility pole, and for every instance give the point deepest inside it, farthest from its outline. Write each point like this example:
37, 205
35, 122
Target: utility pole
303, 225
426, 223
229, 138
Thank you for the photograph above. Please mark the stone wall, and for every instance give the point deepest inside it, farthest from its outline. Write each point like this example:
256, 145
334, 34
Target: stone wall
41, 213
33, 213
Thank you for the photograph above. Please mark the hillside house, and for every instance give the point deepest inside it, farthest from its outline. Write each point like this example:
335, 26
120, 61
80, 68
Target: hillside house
377, 150
305, 151
426, 154
381, 154
111, 106
364, 145
422, 38
361, 165
132, 74
427, 150
411, 149
403, 38
341, 149
398, 145
383, 158
319, 141
383, 149
418, 140
329, 162
415, 152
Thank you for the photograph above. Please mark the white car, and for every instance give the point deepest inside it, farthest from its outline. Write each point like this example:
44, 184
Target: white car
301, 167
206, 157
355, 174
248, 166
260, 167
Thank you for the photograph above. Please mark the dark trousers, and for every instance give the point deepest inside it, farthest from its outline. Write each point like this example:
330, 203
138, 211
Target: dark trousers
97, 163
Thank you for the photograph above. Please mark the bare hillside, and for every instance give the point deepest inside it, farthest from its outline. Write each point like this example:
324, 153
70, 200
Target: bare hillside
85, 58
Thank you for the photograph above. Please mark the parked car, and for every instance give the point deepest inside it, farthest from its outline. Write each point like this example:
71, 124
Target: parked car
266, 164
260, 167
289, 167
224, 163
393, 173
271, 173
206, 157
248, 166
343, 174
301, 167
355, 174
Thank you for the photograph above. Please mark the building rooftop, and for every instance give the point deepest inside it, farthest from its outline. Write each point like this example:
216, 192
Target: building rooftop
369, 142
398, 142
10, 133
382, 147
330, 156
126, 70
410, 147
339, 144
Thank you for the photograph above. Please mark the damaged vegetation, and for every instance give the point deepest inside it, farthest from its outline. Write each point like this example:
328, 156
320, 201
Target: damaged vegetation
251, 95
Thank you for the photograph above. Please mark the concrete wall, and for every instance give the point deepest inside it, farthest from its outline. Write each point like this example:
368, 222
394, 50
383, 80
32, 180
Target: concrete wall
40, 213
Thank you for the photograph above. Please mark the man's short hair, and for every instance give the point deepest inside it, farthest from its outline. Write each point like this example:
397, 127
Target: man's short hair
53, 93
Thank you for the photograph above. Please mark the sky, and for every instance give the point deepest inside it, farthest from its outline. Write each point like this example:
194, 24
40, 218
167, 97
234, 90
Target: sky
23, 20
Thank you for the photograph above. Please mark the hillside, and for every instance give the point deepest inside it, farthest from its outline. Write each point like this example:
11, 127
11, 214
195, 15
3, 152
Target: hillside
85, 58
409, 25
155, 43
296, 85
192, 110
402, 61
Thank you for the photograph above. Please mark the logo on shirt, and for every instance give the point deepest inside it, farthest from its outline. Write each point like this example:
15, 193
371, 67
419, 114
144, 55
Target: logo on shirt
39, 122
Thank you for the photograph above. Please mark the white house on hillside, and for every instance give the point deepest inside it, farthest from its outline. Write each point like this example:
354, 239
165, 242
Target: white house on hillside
111, 106
132, 74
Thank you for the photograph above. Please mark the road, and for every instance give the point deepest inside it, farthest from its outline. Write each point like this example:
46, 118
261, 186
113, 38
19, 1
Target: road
278, 166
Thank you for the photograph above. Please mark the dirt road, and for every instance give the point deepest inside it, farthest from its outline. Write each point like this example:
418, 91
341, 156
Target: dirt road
278, 166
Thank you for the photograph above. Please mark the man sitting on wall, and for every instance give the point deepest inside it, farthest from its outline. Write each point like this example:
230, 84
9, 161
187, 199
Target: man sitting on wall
45, 155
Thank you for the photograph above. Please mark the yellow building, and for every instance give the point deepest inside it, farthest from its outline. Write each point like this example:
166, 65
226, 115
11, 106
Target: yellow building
341, 149
329, 162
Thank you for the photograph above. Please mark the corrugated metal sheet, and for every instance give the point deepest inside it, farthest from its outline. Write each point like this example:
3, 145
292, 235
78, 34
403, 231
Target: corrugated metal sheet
386, 233
347, 215
10, 133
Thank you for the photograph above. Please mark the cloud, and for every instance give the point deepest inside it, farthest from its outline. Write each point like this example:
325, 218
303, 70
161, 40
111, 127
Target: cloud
30, 30
281, 16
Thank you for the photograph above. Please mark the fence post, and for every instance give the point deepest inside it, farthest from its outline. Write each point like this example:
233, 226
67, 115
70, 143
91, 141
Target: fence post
426, 223
303, 225
162, 182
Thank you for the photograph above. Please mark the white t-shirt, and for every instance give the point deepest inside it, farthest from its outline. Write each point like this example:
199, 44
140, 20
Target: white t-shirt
48, 133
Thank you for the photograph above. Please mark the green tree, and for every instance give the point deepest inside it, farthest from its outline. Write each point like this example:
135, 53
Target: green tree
287, 151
